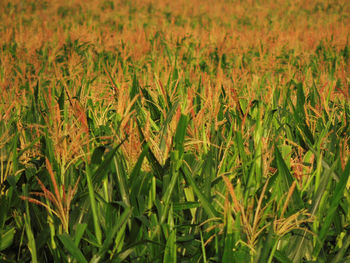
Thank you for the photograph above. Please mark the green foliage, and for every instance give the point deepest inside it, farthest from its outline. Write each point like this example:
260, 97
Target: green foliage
141, 132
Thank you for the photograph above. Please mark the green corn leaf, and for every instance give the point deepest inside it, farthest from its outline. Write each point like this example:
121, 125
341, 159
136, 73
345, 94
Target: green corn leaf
137, 168
334, 203
286, 181
203, 248
299, 244
207, 206
115, 233
229, 241
170, 248
180, 133
281, 257
28, 228
122, 179
176, 158
6, 238
72, 248
92, 198
134, 87
267, 246
97, 154
99, 175
79, 232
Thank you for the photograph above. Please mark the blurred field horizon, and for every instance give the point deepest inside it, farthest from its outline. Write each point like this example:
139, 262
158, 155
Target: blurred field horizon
164, 131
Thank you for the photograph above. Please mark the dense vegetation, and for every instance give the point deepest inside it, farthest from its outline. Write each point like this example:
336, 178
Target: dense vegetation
164, 131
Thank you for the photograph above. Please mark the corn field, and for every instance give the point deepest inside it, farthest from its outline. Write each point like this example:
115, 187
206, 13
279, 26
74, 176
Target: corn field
174, 131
